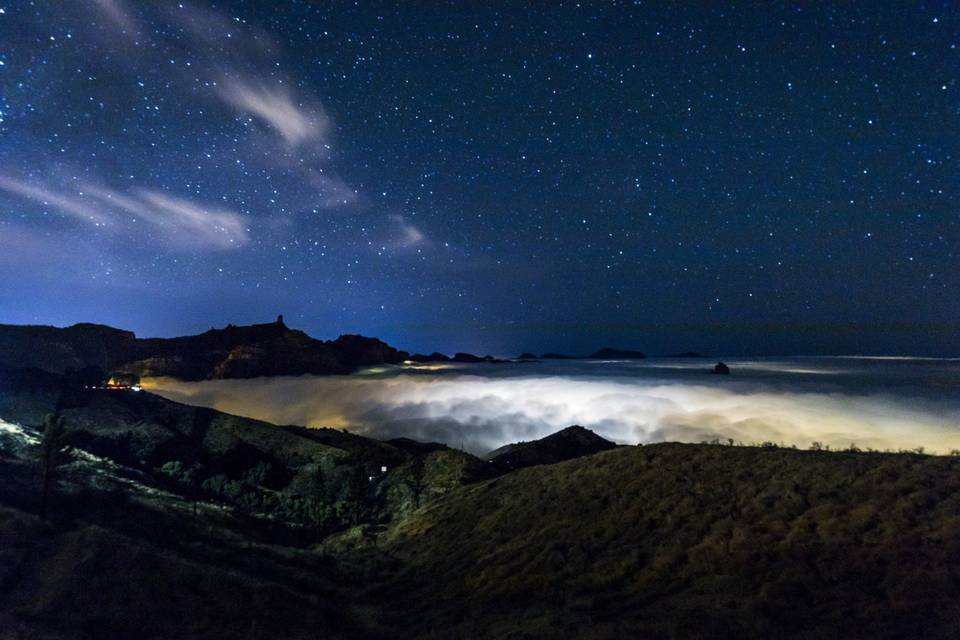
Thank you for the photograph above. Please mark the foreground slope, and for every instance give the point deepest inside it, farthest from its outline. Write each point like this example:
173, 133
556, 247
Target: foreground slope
679, 541
84, 580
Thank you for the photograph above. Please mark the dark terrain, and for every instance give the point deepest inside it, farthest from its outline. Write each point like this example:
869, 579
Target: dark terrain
270, 349
170, 521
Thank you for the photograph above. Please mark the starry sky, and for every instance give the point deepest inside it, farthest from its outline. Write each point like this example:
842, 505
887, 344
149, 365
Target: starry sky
749, 178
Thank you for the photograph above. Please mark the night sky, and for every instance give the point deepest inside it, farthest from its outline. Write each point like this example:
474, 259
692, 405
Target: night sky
763, 178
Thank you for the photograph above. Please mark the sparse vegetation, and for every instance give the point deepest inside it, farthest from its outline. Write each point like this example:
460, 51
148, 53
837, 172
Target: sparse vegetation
673, 540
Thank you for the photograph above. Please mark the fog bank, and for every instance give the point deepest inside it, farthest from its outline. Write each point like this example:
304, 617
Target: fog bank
838, 402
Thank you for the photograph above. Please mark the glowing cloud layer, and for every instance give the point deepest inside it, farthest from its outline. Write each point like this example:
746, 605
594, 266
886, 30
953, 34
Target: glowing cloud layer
774, 402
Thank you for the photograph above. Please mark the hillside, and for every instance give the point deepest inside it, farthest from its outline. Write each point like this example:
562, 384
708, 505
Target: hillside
679, 541
269, 349
119, 558
318, 480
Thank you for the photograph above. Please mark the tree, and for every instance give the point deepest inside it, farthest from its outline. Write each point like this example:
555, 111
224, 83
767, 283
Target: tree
53, 454
319, 508
417, 481
188, 477
353, 482
192, 478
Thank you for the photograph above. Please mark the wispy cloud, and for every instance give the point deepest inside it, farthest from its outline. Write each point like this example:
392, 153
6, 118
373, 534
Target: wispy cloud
243, 68
184, 221
407, 235
116, 12
181, 222
275, 107
333, 191
234, 71
73, 207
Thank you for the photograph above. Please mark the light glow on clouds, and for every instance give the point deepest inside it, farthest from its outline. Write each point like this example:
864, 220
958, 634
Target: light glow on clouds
482, 413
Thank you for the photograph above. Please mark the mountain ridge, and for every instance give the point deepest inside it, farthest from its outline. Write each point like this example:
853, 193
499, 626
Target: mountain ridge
268, 349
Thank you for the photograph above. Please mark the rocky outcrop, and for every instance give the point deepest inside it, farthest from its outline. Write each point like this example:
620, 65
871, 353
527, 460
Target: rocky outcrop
572, 442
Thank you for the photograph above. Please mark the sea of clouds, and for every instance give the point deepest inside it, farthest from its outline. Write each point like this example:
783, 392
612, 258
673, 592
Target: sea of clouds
870, 403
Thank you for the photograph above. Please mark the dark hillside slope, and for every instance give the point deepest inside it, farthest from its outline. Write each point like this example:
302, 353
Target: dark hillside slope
82, 581
683, 541
320, 479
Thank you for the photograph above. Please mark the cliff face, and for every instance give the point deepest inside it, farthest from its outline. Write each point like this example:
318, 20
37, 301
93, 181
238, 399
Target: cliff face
270, 349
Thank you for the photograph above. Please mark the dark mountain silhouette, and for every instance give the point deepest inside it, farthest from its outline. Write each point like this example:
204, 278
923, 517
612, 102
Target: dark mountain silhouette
56, 350
466, 357
600, 354
572, 442
433, 357
469, 358
270, 349
620, 354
